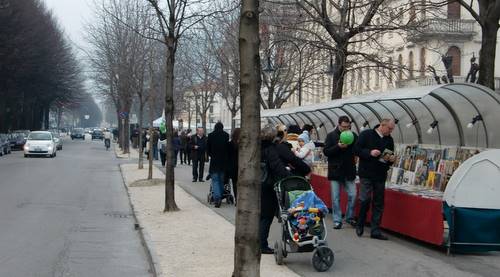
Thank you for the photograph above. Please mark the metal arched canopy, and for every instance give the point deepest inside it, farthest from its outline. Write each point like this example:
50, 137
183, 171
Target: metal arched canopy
466, 114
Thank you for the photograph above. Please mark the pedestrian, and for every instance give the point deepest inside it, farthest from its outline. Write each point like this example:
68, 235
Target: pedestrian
293, 132
188, 150
274, 169
341, 171
375, 149
296, 165
183, 151
232, 170
163, 147
217, 149
176, 144
305, 150
154, 140
308, 130
198, 151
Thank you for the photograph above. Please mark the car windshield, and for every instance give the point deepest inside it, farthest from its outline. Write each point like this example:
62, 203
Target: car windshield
40, 136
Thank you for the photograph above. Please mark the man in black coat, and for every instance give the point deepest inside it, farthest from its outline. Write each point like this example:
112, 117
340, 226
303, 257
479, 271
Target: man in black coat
218, 148
341, 171
375, 149
198, 145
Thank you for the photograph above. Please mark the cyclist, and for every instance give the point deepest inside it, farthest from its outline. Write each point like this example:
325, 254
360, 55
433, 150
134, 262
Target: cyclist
107, 138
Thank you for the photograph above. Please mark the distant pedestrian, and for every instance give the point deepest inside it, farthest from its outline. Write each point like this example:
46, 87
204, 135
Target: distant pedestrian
163, 148
198, 151
375, 149
188, 150
341, 171
154, 140
217, 149
232, 170
176, 144
183, 150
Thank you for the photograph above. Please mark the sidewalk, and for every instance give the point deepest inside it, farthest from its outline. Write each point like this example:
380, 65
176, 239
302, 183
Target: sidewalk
194, 241
134, 154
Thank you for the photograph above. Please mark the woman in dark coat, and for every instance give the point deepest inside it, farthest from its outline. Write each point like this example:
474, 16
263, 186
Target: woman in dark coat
232, 170
176, 142
276, 171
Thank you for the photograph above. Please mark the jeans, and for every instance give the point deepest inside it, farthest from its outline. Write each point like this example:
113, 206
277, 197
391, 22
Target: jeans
265, 226
176, 153
217, 185
155, 151
378, 188
350, 188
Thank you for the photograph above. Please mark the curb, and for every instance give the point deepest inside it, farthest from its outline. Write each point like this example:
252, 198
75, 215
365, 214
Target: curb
152, 258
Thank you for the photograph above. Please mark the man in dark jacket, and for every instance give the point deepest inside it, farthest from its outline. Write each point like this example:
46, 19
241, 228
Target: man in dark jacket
341, 171
375, 149
218, 148
182, 150
276, 171
198, 145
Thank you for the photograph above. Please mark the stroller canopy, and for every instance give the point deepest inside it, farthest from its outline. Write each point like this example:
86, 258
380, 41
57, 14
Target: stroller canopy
476, 183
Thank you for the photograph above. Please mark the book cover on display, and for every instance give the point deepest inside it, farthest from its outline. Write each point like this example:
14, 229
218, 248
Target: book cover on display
408, 177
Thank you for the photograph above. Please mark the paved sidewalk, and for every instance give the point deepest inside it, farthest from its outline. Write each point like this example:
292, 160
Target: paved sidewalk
134, 154
194, 241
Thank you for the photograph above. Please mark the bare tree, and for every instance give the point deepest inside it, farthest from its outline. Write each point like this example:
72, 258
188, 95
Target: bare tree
175, 17
247, 250
487, 14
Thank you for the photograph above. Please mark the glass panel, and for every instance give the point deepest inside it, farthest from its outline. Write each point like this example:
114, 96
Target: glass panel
407, 135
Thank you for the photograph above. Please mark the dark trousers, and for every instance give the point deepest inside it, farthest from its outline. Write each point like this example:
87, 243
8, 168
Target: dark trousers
234, 180
198, 167
377, 189
163, 157
264, 227
187, 154
176, 153
182, 153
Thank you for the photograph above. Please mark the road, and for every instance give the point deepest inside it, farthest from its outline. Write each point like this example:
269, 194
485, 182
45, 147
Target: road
67, 216
400, 256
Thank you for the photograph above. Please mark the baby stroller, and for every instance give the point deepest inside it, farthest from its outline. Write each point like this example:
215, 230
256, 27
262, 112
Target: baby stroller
303, 230
226, 194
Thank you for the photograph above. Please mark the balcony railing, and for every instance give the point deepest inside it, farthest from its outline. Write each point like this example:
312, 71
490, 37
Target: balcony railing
458, 28
428, 80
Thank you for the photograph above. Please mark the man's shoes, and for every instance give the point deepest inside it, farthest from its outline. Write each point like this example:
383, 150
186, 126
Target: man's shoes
266, 250
352, 222
208, 177
337, 225
359, 230
201, 180
218, 203
379, 237
194, 180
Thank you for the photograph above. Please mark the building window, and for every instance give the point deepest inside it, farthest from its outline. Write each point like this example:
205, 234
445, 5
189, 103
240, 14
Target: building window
453, 10
367, 83
400, 67
389, 77
211, 109
351, 76
359, 81
411, 64
423, 9
454, 52
377, 77
412, 12
422, 62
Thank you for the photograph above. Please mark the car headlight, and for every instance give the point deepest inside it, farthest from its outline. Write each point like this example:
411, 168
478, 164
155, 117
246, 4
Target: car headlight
26, 147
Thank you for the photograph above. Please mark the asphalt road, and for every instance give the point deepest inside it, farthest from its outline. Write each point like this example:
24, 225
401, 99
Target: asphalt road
400, 256
67, 216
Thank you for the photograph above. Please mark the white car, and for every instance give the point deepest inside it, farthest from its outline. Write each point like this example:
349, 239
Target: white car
40, 143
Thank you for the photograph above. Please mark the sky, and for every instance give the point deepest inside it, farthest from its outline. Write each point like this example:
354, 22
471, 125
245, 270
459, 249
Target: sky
72, 15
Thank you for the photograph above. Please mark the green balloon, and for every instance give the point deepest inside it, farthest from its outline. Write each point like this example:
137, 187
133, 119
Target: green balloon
347, 137
163, 128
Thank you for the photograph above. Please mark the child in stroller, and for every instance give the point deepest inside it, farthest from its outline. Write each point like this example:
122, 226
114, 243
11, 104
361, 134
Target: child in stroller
302, 221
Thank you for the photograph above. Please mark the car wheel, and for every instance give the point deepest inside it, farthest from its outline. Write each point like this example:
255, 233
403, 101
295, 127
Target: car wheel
54, 155
26, 155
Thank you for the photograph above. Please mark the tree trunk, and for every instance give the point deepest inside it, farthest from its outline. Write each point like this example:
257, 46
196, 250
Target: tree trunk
487, 54
170, 204
120, 129
151, 119
233, 121
247, 248
339, 72
204, 120
141, 150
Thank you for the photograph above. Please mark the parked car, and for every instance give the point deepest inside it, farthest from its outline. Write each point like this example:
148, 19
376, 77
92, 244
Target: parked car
97, 134
4, 144
40, 143
19, 138
57, 140
78, 133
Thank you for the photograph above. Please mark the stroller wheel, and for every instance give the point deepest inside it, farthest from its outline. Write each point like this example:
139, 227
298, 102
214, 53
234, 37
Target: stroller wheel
209, 198
322, 258
278, 252
230, 199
